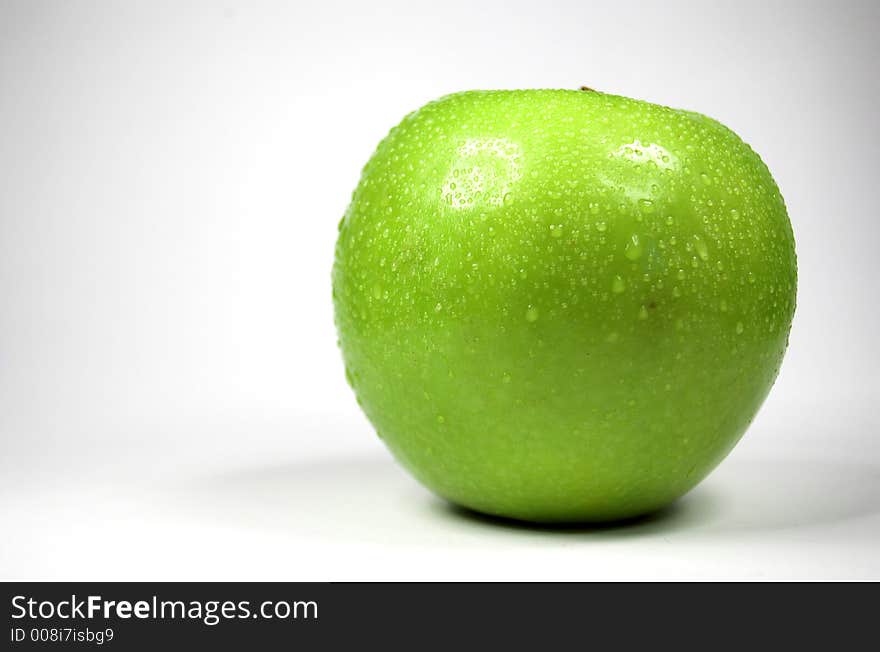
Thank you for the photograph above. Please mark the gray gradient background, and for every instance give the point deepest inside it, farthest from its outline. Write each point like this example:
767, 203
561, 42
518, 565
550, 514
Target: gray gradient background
172, 403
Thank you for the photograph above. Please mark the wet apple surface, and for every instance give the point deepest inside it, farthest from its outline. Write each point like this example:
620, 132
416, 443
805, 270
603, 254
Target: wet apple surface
562, 305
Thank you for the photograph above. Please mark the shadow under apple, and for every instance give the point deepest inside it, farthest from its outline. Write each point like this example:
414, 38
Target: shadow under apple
373, 500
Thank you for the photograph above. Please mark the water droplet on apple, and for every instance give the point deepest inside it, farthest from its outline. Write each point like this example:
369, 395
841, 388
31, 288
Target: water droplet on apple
702, 249
633, 250
532, 314
618, 285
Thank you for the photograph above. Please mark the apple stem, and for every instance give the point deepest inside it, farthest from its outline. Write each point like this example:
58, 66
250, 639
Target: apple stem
587, 88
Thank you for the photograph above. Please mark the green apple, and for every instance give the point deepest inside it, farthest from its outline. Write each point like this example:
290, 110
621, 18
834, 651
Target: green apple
562, 305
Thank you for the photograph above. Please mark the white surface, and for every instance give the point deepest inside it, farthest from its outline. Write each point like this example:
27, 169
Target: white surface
784, 505
172, 404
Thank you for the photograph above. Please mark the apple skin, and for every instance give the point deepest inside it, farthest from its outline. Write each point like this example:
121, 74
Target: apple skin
562, 305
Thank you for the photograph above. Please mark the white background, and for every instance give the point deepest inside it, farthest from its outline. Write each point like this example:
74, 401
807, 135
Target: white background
172, 402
